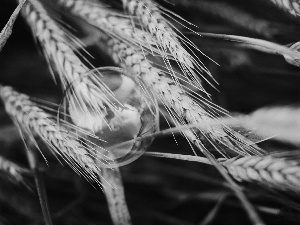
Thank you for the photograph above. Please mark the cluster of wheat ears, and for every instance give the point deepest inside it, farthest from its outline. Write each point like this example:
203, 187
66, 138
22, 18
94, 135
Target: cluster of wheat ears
109, 116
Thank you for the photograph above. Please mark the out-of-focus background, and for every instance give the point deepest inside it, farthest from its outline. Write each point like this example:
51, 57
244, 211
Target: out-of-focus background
160, 191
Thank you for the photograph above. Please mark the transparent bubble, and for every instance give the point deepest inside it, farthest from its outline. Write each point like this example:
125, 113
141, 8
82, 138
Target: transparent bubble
131, 112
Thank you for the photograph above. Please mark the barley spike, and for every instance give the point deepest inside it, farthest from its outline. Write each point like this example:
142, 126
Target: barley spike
33, 121
82, 86
279, 172
182, 107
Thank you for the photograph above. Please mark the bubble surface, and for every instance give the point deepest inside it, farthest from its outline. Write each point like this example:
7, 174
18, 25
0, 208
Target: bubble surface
134, 115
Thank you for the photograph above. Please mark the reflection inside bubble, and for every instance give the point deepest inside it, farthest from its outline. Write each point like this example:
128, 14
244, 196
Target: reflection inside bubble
135, 114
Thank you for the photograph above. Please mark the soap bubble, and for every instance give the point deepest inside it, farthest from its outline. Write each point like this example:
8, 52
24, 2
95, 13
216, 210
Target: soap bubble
132, 113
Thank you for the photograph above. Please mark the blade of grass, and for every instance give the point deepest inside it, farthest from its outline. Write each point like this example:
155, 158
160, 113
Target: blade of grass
212, 214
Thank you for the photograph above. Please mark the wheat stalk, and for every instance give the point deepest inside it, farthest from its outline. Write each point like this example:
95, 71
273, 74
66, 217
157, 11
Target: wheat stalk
115, 195
279, 172
291, 6
40, 184
34, 121
82, 86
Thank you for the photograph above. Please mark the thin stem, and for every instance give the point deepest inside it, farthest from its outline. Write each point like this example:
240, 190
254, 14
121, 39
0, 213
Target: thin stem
236, 189
39, 182
165, 132
115, 195
212, 161
180, 157
258, 44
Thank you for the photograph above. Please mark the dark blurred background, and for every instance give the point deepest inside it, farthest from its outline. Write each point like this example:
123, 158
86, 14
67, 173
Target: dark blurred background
160, 191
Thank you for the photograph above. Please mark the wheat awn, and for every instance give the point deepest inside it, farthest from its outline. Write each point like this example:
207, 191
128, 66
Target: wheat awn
182, 107
33, 121
82, 86
150, 17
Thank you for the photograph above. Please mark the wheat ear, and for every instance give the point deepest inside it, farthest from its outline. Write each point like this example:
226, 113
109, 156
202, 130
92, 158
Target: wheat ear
150, 17
164, 42
117, 25
291, 6
182, 107
275, 171
34, 121
279, 171
7, 30
84, 88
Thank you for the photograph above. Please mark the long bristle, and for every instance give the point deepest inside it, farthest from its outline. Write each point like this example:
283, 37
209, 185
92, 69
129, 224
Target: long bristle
33, 121
80, 85
151, 18
182, 108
